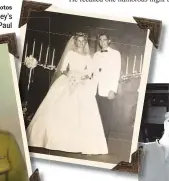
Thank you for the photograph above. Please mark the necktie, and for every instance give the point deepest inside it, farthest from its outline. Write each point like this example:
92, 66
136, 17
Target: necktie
102, 51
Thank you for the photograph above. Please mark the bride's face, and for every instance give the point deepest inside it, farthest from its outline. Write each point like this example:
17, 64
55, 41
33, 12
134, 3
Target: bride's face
80, 42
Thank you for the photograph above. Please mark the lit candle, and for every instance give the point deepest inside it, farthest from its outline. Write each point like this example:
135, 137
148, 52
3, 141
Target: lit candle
127, 65
33, 48
141, 62
134, 64
47, 56
30, 74
40, 52
53, 57
26, 50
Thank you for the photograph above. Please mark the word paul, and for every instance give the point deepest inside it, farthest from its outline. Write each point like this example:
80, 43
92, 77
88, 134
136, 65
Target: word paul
5, 25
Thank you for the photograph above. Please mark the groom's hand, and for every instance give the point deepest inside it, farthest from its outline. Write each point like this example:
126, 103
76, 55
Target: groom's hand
65, 73
111, 95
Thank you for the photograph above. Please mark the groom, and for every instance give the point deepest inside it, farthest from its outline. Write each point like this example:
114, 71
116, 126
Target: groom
107, 65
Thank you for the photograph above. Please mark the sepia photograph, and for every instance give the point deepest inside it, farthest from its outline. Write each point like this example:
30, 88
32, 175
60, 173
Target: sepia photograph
14, 154
82, 85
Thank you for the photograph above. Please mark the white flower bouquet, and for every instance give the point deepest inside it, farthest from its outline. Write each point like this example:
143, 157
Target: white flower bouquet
75, 78
31, 62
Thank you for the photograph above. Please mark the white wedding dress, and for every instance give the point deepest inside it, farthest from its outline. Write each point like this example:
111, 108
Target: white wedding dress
68, 119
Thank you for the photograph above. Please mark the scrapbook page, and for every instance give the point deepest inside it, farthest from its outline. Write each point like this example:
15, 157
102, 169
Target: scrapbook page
82, 85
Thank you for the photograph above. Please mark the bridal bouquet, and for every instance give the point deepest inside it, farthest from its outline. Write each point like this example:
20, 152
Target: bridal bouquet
75, 78
31, 62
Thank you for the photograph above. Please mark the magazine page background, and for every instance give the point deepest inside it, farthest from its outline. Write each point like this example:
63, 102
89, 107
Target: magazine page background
154, 167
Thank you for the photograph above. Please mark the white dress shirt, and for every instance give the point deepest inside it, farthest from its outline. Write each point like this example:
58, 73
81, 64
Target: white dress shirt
107, 68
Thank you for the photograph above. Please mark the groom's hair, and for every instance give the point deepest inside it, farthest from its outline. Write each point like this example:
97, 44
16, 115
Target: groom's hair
103, 34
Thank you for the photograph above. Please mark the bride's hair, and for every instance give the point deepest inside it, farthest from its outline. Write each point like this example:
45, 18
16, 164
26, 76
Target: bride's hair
80, 34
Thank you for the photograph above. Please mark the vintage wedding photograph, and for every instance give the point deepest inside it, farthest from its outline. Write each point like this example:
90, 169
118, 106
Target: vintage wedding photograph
14, 154
82, 85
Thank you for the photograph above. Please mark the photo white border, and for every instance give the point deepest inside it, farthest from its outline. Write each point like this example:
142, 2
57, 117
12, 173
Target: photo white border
20, 114
142, 89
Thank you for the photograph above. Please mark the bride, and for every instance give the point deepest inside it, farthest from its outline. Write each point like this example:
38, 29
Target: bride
68, 119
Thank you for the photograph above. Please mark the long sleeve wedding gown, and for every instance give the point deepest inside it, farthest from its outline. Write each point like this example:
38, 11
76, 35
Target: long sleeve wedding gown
68, 119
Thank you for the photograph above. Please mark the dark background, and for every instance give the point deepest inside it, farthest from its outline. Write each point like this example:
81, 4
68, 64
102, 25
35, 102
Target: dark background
156, 104
54, 30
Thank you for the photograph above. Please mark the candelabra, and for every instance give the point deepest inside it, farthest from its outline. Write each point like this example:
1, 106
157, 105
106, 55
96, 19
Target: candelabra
135, 73
46, 64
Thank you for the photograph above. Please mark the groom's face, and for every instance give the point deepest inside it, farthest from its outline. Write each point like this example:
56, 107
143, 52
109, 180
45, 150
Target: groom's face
104, 41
